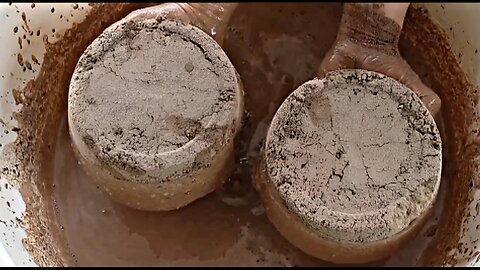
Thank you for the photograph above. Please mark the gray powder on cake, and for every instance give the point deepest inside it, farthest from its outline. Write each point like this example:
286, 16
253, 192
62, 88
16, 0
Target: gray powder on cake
154, 99
356, 156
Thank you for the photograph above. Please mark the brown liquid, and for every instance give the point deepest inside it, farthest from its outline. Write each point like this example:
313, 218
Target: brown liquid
275, 48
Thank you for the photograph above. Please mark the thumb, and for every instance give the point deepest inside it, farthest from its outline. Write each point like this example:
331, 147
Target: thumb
429, 98
170, 11
335, 60
212, 18
400, 70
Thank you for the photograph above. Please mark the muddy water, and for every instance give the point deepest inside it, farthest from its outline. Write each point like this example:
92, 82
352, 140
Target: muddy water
275, 48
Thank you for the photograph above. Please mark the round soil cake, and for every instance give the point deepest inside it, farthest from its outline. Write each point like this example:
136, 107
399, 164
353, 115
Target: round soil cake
153, 108
351, 166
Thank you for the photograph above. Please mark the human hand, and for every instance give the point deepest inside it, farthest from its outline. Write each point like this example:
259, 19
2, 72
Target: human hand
368, 39
212, 18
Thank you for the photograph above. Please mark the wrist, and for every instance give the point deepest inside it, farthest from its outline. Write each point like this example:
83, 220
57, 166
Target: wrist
396, 12
367, 25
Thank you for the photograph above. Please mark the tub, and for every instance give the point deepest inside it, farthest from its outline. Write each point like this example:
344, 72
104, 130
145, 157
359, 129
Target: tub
459, 21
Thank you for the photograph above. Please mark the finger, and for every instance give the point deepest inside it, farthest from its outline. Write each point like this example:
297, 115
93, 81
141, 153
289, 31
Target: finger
429, 98
335, 60
170, 11
410, 78
210, 18
400, 70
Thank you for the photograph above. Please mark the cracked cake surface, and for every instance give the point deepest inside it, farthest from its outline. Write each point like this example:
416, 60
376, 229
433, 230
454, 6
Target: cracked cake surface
356, 156
155, 100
